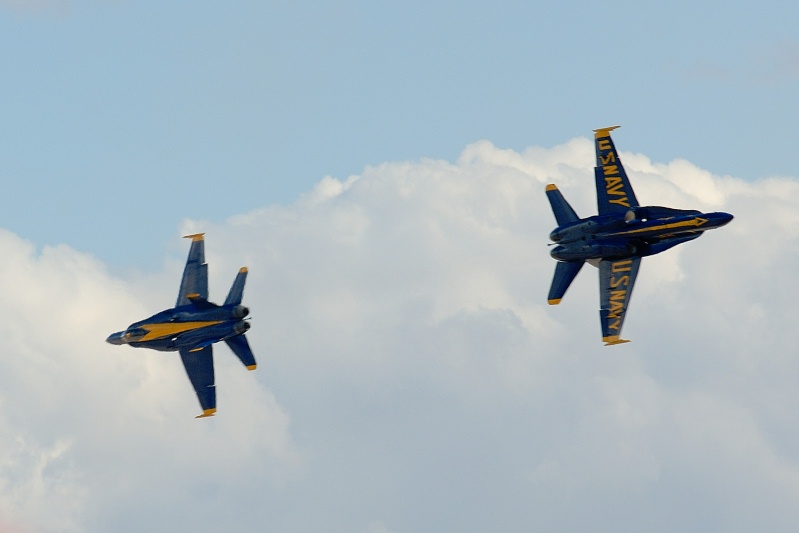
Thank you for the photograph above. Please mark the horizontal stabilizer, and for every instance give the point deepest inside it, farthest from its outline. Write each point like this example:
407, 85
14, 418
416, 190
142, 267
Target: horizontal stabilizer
241, 348
565, 272
564, 214
237, 289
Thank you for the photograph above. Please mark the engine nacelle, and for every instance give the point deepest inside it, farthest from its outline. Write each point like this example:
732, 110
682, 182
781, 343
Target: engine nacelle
573, 232
580, 251
240, 311
241, 327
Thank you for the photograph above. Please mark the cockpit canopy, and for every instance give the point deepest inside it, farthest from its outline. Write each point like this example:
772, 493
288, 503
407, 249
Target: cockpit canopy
132, 335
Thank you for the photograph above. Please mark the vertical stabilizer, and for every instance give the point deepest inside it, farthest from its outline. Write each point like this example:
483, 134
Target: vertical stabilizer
237, 289
565, 272
564, 213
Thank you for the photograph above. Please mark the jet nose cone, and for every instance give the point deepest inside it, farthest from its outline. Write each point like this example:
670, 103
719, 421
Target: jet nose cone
116, 338
721, 219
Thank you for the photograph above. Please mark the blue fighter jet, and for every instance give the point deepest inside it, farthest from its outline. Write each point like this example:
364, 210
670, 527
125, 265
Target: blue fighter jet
617, 238
194, 325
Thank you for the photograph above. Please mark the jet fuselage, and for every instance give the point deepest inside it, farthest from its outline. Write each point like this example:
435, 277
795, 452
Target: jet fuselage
616, 238
195, 324
186, 326
640, 232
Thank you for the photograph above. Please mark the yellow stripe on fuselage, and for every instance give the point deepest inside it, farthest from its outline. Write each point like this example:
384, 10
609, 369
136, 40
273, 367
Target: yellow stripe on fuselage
170, 329
695, 222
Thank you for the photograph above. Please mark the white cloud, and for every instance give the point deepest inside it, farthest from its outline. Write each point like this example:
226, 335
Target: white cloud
411, 376
86, 425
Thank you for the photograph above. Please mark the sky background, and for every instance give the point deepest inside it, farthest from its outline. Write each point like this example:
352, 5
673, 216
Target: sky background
380, 168
122, 118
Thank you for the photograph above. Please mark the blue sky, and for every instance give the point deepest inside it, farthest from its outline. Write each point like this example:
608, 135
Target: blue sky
122, 118
380, 168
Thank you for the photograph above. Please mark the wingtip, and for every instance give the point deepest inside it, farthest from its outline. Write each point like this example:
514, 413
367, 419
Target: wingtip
552, 187
243, 270
252, 367
613, 340
604, 132
195, 237
554, 301
207, 413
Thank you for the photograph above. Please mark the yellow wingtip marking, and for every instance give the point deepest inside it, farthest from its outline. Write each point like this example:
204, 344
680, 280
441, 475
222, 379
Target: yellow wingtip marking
552, 187
613, 339
554, 301
252, 367
604, 132
207, 413
194, 237
242, 270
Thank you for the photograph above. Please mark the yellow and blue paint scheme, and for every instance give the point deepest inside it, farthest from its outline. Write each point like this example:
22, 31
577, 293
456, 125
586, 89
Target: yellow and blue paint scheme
617, 237
194, 325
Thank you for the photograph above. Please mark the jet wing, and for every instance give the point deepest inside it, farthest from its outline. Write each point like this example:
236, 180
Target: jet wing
194, 284
616, 280
614, 194
199, 365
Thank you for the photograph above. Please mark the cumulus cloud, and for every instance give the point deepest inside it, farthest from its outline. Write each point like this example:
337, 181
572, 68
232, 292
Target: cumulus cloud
411, 376
84, 427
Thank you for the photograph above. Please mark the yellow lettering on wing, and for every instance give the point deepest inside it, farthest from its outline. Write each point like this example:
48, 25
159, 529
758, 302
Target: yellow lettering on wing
609, 158
622, 266
617, 189
614, 185
604, 144
615, 282
618, 295
612, 182
616, 307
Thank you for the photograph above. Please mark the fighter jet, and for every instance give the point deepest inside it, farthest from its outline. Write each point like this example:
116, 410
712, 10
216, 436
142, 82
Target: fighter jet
194, 325
617, 238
